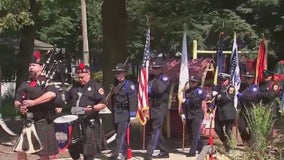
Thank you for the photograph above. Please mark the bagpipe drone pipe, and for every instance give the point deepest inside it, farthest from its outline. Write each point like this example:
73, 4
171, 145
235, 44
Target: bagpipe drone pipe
57, 70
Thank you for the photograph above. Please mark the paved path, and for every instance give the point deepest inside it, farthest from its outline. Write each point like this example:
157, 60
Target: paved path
6, 152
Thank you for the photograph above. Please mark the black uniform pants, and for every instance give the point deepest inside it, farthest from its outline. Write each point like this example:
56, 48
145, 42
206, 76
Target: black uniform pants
243, 129
224, 134
89, 145
194, 131
121, 142
157, 139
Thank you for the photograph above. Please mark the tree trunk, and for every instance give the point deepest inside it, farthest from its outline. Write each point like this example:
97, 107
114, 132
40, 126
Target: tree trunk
27, 44
25, 54
115, 34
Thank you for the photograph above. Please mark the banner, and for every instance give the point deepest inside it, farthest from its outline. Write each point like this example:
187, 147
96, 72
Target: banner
183, 73
235, 70
143, 103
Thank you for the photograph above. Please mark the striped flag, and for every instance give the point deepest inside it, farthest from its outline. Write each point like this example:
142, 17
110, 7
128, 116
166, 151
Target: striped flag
143, 104
235, 70
183, 73
261, 63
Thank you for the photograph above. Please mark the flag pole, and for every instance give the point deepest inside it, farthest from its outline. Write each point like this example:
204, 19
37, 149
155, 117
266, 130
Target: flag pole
183, 78
144, 135
146, 112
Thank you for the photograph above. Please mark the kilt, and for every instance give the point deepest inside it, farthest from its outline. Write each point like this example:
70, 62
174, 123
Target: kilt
46, 135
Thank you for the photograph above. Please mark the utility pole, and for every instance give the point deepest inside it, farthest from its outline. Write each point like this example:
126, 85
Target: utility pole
85, 33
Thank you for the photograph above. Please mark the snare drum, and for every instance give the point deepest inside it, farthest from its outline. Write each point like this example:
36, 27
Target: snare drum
63, 130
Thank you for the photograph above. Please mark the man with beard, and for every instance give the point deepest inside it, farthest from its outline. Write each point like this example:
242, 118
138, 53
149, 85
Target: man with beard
36, 98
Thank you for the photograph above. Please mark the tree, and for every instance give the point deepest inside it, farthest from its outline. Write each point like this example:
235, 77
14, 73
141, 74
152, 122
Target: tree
115, 33
21, 16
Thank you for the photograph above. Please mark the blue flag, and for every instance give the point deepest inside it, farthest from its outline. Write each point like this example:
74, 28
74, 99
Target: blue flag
235, 70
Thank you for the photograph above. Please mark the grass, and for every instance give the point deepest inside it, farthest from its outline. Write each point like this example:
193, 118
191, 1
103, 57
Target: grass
260, 122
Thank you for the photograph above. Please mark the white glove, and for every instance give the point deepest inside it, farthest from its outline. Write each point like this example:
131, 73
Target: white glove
132, 118
182, 117
214, 93
211, 116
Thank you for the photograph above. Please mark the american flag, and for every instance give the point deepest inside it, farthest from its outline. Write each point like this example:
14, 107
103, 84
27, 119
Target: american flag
235, 70
143, 104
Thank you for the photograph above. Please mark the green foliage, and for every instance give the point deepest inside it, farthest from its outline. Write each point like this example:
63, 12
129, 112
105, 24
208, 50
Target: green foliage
98, 76
7, 108
260, 123
204, 21
61, 25
15, 15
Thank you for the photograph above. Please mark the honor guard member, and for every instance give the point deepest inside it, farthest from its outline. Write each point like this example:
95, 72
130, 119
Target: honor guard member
158, 89
124, 102
225, 112
193, 114
269, 90
87, 99
37, 98
249, 96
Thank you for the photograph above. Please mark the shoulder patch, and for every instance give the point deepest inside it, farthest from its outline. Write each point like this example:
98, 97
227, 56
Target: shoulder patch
101, 91
275, 87
132, 87
165, 78
254, 89
199, 91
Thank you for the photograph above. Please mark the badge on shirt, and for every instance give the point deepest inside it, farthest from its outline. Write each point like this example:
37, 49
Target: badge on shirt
101, 91
89, 89
199, 91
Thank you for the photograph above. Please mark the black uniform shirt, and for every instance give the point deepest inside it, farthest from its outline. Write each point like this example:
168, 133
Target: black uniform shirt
92, 94
124, 101
33, 89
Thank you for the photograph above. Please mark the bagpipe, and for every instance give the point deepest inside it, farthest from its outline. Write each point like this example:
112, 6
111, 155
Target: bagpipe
57, 71
28, 141
57, 67
54, 73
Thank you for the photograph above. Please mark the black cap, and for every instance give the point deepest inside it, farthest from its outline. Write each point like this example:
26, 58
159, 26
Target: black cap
249, 75
194, 78
82, 68
119, 68
37, 58
224, 76
267, 73
156, 63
